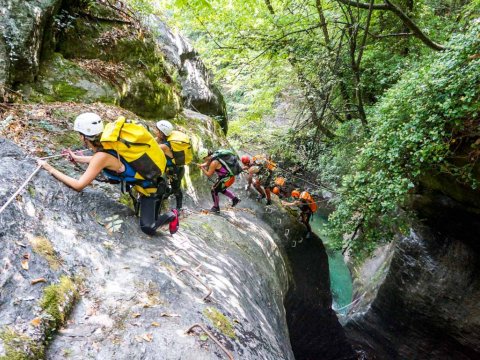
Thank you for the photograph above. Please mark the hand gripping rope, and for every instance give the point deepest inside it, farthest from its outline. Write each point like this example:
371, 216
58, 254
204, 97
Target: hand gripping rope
37, 169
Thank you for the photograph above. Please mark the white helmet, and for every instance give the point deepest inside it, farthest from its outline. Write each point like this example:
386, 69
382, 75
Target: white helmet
89, 124
202, 153
165, 127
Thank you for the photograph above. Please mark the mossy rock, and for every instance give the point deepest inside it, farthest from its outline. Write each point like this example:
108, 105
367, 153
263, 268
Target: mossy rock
58, 300
220, 321
63, 80
20, 347
146, 84
43, 247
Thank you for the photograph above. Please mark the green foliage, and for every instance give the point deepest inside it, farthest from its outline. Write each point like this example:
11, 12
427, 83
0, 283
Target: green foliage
412, 129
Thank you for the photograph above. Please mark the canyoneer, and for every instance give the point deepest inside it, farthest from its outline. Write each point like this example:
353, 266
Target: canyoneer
128, 154
304, 201
225, 164
261, 171
178, 151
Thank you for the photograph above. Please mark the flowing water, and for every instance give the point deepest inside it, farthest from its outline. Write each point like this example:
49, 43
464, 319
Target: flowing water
340, 278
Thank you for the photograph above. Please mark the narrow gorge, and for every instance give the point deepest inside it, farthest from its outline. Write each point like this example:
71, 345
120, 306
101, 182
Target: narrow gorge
80, 280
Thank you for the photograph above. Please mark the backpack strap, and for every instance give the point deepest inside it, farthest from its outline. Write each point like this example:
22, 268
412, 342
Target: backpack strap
224, 164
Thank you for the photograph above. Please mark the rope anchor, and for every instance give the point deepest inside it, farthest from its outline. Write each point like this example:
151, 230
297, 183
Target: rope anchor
189, 256
199, 280
211, 336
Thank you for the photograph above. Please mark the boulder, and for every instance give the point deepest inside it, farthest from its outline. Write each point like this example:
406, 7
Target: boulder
23, 25
427, 305
199, 93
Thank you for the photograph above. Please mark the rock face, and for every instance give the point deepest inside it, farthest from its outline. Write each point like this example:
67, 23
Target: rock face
22, 28
198, 91
427, 307
132, 298
96, 53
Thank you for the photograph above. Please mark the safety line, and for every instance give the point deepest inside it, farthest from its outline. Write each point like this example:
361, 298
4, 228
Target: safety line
20, 189
298, 177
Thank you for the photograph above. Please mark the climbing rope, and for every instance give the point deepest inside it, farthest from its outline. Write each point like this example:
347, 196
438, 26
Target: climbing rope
27, 181
20, 189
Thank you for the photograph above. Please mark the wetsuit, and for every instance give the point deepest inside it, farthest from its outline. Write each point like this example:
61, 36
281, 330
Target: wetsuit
305, 214
149, 206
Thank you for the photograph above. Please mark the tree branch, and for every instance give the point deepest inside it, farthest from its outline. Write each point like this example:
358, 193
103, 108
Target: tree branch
318, 4
364, 5
412, 26
389, 6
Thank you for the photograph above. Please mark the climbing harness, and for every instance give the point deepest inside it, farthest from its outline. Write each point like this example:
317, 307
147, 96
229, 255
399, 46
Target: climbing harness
210, 335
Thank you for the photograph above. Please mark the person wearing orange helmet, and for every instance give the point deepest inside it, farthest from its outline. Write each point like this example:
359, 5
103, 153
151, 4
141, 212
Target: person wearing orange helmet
247, 163
262, 172
304, 202
280, 187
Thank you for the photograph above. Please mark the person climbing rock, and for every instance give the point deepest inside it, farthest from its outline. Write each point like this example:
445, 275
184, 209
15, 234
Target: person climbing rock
307, 207
262, 174
247, 163
225, 164
115, 167
280, 187
169, 139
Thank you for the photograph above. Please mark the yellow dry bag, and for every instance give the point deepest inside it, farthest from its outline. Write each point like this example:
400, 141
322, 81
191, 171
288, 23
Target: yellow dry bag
134, 143
181, 148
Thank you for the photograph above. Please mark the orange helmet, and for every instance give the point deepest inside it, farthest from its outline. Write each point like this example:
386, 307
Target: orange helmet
295, 194
305, 196
276, 190
280, 181
245, 159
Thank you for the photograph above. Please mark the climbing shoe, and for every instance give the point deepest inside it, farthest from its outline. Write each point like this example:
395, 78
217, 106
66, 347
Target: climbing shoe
175, 223
215, 209
235, 201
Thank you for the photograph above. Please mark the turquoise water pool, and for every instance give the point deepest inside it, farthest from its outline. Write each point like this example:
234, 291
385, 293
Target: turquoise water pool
340, 278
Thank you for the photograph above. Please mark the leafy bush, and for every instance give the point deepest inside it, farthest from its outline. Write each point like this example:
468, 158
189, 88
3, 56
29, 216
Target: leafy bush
412, 129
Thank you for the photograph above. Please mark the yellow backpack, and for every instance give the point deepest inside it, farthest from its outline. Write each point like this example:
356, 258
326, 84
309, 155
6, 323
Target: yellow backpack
134, 143
181, 148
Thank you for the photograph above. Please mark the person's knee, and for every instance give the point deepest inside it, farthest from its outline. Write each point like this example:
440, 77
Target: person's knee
148, 229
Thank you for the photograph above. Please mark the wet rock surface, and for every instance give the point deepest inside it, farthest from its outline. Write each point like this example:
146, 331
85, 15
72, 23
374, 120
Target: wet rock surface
427, 307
